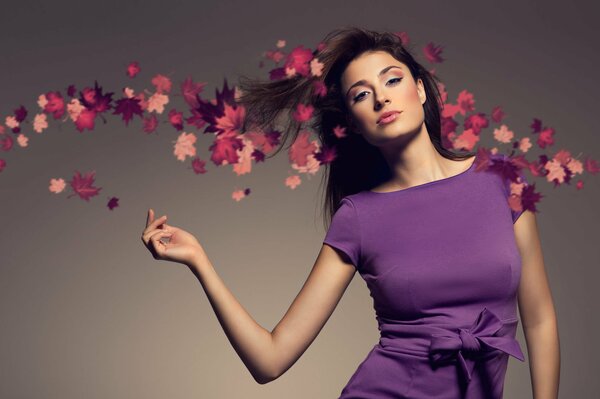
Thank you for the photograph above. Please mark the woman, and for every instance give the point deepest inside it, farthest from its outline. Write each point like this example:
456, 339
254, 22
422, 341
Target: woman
445, 258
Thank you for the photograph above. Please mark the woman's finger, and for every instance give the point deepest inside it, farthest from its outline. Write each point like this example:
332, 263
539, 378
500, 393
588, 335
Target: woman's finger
147, 235
156, 243
153, 225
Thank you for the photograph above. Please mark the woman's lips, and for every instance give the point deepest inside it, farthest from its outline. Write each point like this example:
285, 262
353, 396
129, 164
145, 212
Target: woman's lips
389, 118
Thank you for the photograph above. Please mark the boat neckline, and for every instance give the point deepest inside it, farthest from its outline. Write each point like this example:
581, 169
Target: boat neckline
444, 179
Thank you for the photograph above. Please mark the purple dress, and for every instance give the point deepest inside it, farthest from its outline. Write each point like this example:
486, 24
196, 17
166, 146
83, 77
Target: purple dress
441, 263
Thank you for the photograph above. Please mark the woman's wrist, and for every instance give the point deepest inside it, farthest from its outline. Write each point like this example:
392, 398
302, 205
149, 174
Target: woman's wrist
199, 260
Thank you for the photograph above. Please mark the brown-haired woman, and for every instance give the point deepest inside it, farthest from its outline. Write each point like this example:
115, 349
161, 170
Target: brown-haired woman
445, 258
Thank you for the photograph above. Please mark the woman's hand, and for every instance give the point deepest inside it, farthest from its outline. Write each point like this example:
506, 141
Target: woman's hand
182, 246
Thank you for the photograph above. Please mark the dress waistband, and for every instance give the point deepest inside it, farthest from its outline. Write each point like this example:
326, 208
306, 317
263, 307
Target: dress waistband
448, 344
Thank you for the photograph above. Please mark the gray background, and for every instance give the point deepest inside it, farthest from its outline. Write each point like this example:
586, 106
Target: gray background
87, 312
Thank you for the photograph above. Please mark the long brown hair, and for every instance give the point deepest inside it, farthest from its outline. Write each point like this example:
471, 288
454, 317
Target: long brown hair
358, 165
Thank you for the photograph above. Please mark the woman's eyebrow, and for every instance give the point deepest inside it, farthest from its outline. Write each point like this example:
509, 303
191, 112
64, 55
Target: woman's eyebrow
362, 81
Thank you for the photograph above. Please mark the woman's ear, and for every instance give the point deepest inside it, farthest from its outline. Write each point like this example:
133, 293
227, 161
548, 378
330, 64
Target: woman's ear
421, 90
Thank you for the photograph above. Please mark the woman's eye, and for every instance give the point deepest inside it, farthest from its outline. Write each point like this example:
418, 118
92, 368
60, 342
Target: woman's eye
358, 97
395, 80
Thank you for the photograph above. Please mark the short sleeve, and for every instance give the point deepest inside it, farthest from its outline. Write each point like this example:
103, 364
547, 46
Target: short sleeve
344, 231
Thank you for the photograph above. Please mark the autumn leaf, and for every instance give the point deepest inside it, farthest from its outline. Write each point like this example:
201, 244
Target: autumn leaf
301, 149
83, 185
303, 112
162, 83
185, 146
127, 108
150, 123
191, 90
112, 203
133, 69
224, 149
433, 53
55, 104
299, 59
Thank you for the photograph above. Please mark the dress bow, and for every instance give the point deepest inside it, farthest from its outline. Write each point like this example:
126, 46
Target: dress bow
480, 337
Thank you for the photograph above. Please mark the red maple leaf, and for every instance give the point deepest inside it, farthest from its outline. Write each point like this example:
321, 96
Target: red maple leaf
225, 147
150, 123
113, 203
83, 186
85, 120
94, 99
326, 155
128, 107
55, 104
20, 114
190, 90
133, 69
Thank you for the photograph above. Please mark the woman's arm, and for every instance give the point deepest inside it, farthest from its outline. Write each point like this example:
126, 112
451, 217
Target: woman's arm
267, 355
537, 311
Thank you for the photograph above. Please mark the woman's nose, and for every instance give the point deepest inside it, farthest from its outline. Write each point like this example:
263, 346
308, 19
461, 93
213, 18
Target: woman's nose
379, 103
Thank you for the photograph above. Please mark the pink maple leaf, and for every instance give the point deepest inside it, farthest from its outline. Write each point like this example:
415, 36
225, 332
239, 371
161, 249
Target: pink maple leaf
244, 163
40, 123
303, 112
503, 134
232, 119
525, 144
162, 83
465, 102
57, 185
556, 172
185, 146
157, 102
293, 181
467, 140
301, 149
238, 195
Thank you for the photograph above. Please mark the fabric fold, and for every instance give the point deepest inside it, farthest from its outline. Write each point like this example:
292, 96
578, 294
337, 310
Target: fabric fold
466, 344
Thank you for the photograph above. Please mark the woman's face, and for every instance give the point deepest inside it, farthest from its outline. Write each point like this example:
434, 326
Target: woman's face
368, 94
